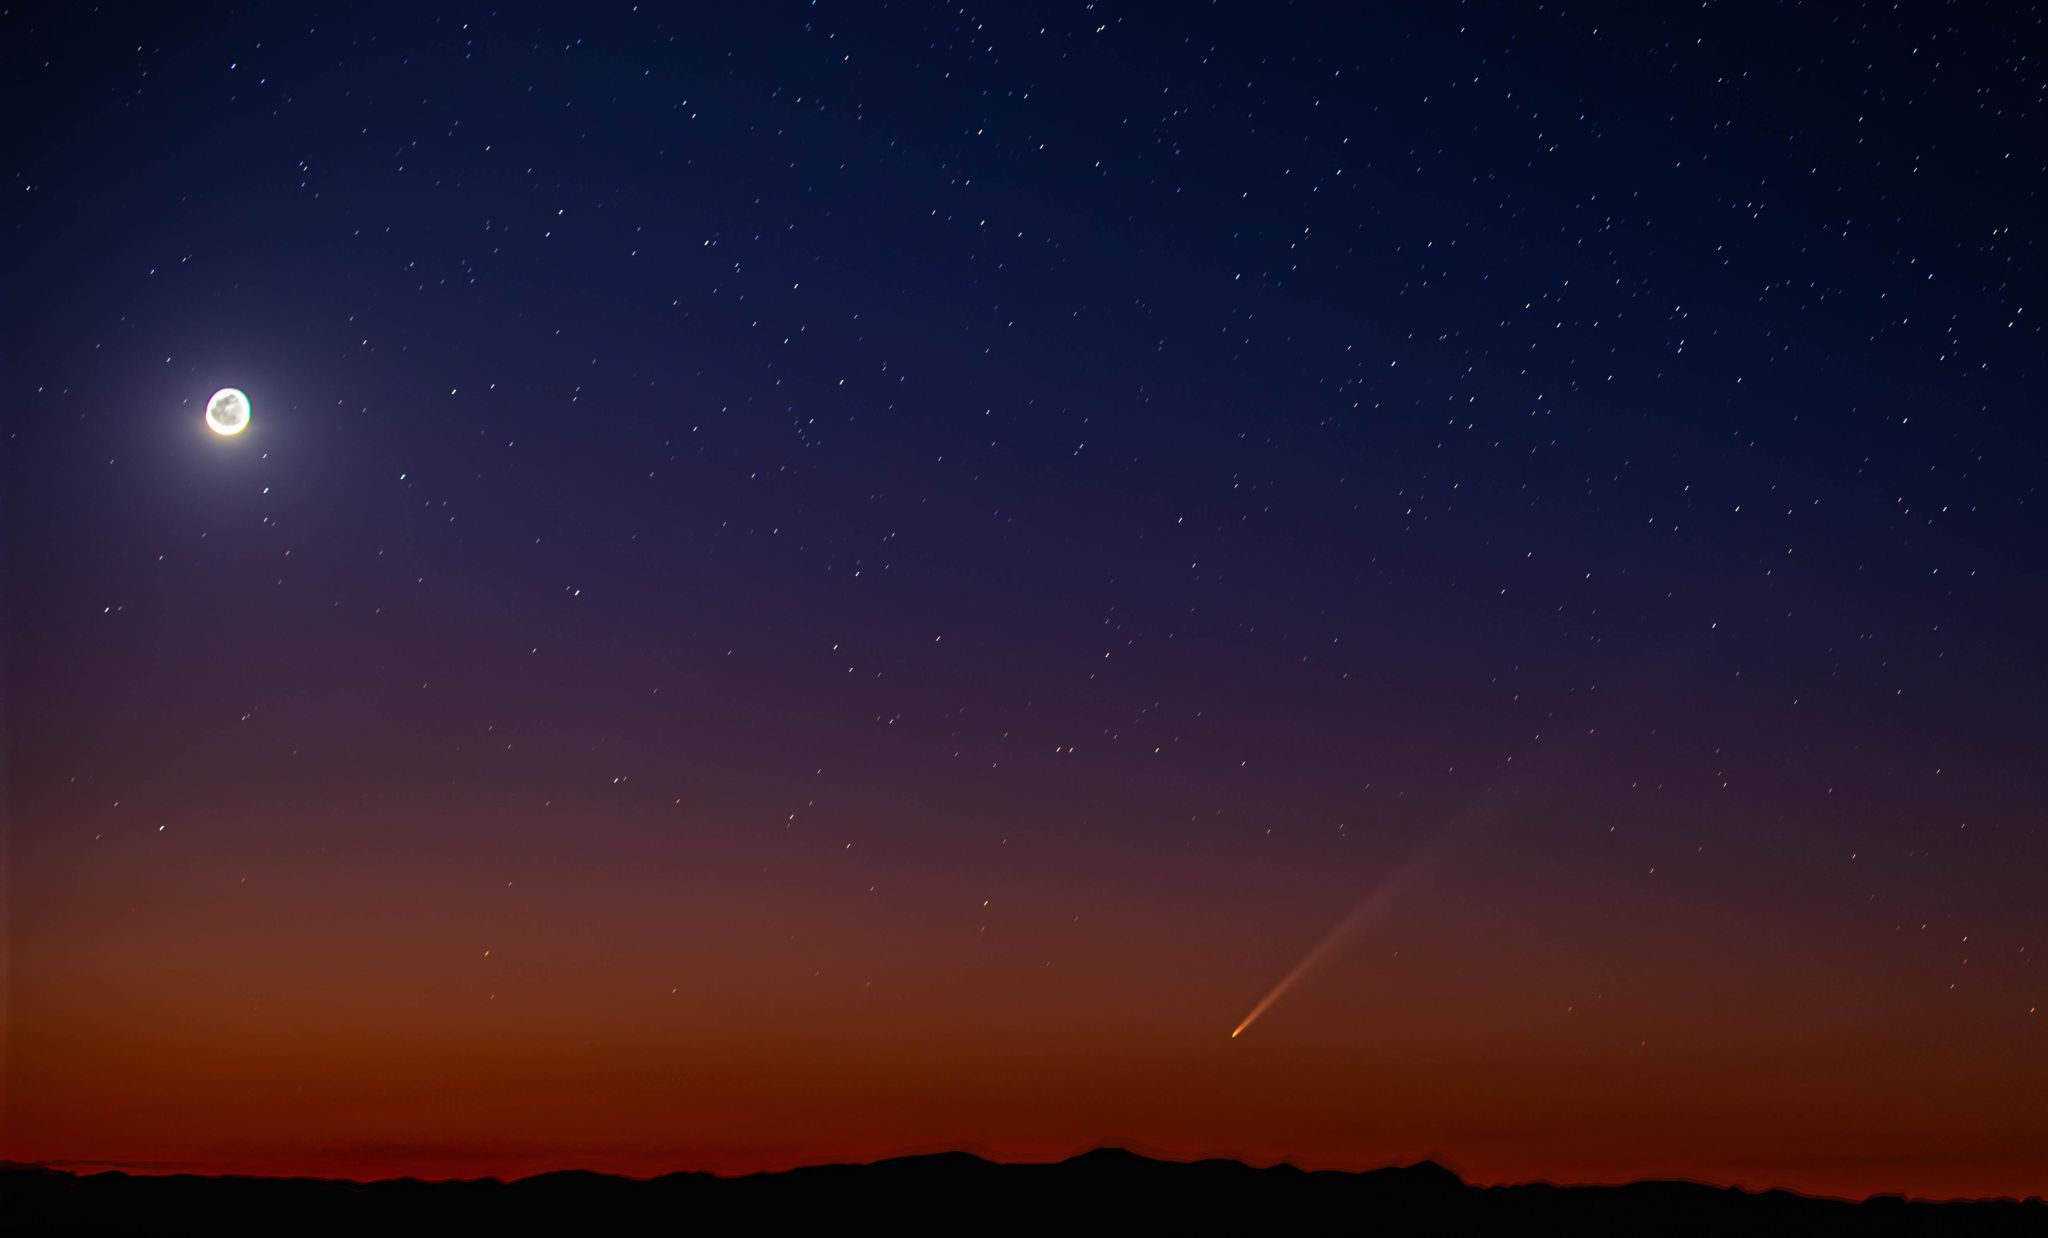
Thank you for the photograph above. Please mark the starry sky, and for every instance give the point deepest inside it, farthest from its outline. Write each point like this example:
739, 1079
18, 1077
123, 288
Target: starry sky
810, 581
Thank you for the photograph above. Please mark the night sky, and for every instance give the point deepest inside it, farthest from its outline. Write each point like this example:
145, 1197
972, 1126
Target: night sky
813, 581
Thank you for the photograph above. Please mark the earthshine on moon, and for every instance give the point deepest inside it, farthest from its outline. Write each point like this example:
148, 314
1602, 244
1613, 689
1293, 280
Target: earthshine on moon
227, 412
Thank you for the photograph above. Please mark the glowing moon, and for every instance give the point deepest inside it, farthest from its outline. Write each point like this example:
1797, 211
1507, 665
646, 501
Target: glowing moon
227, 412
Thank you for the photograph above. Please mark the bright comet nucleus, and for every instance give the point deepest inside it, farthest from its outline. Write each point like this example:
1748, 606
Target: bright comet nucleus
227, 412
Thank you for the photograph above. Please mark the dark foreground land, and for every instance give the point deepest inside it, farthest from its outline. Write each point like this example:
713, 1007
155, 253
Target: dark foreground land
1101, 1191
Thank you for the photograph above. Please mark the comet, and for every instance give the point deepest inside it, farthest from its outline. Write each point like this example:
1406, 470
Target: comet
1425, 856
1374, 903
1359, 915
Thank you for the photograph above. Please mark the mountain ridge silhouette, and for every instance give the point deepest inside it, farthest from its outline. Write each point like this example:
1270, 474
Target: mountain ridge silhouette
954, 1190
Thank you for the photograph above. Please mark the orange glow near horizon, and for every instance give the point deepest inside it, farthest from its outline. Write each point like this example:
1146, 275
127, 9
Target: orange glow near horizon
369, 1034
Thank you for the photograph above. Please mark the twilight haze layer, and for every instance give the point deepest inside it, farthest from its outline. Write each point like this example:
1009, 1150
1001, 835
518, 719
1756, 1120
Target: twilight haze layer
808, 581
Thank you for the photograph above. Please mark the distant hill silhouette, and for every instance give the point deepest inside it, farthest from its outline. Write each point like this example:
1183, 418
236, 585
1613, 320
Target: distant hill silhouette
1104, 1190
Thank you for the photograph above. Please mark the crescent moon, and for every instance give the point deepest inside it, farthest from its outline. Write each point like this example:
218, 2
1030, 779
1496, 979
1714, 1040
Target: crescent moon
227, 413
